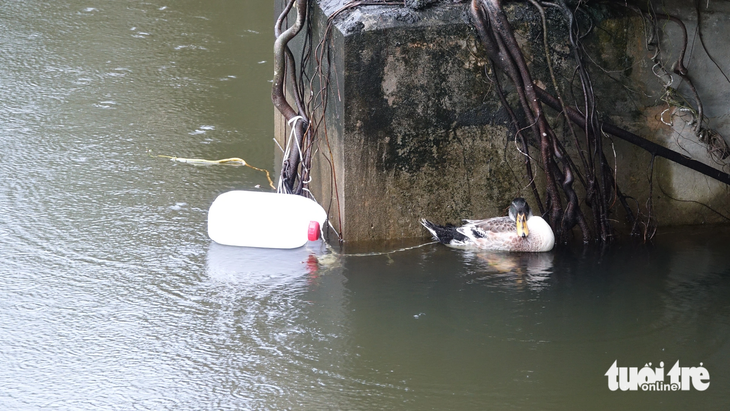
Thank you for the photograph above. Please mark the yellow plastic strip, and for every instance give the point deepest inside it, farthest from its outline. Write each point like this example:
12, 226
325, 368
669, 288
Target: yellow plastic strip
233, 161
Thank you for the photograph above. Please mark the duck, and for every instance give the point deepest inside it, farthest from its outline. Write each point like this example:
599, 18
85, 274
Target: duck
519, 231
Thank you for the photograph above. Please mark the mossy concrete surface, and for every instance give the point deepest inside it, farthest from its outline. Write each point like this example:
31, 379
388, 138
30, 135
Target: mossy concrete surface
415, 128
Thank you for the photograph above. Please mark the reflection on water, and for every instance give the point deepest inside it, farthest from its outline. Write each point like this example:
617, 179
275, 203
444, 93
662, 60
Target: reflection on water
112, 297
531, 270
263, 266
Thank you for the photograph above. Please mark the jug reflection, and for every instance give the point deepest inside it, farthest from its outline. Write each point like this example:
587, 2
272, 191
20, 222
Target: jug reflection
263, 266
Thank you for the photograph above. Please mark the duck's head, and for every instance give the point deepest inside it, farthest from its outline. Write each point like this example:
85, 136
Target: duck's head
520, 212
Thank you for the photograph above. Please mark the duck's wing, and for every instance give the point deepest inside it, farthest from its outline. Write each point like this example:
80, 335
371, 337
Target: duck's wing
488, 228
493, 225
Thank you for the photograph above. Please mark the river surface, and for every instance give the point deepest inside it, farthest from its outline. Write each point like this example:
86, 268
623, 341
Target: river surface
113, 298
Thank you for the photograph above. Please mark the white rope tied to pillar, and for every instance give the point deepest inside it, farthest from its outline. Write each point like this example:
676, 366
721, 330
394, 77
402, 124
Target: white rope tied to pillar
281, 187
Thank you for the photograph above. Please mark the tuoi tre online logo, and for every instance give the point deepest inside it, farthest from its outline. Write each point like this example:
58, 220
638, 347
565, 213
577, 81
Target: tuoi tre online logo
648, 379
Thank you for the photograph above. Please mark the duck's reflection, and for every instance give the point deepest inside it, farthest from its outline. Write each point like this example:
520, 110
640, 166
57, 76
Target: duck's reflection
531, 270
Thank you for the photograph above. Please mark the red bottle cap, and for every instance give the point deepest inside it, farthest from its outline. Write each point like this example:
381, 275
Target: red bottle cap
313, 232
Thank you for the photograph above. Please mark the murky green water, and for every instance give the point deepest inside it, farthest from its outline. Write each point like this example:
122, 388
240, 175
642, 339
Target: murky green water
112, 296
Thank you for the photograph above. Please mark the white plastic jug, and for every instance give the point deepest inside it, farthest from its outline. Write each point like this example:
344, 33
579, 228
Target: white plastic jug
268, 220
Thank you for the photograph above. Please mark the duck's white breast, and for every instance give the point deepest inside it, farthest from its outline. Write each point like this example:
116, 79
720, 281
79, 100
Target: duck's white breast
543, 234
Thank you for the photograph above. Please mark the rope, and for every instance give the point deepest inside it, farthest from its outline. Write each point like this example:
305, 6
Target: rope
381, 252
281, 188
233, 161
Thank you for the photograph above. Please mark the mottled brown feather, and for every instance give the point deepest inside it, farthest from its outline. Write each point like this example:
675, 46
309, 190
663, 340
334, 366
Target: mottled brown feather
494, 225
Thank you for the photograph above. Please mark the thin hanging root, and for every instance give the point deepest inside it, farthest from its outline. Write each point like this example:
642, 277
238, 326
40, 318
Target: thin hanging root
233, 161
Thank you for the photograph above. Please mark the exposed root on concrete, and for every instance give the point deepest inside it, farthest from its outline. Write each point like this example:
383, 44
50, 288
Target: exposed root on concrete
292, 179
677, 104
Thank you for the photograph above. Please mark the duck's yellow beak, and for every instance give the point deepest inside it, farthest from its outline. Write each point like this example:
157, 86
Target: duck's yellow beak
522, 230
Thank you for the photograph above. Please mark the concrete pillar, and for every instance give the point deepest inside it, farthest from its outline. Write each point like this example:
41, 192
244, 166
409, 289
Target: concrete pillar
411, 132
414, 128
